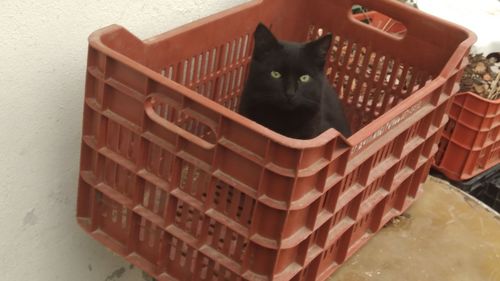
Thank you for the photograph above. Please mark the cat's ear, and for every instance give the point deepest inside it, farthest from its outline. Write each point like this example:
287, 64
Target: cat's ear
318, 49
264, 41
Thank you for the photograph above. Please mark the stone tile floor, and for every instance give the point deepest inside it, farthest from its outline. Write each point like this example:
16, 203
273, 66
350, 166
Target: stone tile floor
445, 235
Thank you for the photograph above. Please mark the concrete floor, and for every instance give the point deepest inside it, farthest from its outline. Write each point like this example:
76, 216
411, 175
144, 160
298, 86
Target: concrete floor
445, 235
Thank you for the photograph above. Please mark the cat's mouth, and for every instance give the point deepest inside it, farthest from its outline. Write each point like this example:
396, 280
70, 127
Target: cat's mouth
290, 101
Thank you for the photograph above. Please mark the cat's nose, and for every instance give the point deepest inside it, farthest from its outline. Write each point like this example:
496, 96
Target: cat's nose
291, 89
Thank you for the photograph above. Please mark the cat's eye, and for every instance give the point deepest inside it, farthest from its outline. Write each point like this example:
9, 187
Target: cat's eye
275, 74
305, 78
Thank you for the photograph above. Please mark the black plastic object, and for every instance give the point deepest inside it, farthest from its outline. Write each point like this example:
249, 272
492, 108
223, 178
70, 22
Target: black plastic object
485, 186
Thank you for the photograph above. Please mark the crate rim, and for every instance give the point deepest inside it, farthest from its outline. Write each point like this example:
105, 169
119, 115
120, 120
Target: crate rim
495, 101
452, 66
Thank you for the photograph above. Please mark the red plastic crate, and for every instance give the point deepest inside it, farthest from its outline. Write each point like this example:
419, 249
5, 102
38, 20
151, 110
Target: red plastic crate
180, 185
471, 140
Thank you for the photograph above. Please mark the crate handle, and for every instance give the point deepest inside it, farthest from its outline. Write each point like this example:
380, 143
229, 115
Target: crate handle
392, 9
383, 26
155, 117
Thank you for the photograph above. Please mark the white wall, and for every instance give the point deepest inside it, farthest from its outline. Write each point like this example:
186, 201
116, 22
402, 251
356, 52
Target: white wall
43, 47
480, 16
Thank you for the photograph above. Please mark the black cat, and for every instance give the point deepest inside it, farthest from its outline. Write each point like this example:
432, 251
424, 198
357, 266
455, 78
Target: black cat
287, 90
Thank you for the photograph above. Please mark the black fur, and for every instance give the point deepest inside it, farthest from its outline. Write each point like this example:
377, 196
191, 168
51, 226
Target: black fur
287, 105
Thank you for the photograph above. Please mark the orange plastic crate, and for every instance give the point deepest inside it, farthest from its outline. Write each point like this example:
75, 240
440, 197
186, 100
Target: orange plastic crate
471, 139
180, 185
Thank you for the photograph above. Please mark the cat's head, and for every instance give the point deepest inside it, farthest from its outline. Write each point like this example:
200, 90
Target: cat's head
288, 75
